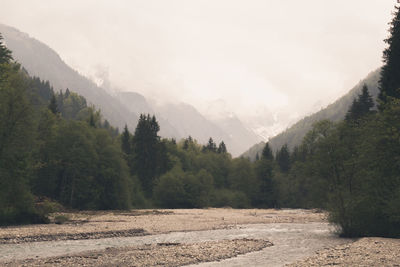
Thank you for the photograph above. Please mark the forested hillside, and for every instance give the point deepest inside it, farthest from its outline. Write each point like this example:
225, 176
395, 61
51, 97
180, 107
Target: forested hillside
350, 167
56, 151
122, 108
334, 112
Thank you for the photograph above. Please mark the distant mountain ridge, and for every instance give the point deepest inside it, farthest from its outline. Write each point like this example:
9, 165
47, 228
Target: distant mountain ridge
176, 120
336, 111
41, 61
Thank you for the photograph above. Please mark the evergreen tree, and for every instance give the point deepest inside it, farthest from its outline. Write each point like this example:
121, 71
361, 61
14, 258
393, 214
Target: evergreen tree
352, 113
361, 105
106, 124
283, 158
150, 159
210, 147
5, 54
53, 104
92, 122
267, 152
389, 83
222, 148
365, 100
16, 143
126, 141
266, 193
187, 143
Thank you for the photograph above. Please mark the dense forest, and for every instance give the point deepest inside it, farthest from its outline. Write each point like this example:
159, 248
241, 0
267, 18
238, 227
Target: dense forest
58, 152
55, 149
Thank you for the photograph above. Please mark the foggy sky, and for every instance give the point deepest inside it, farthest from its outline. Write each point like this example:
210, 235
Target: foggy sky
254, 54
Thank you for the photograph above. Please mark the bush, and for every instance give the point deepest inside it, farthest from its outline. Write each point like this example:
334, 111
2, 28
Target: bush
61, 219
45, 206
226, 197
13, 217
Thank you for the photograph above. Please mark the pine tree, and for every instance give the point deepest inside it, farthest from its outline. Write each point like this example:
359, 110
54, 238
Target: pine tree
187, 143
92, 121
5, 54
267, 153
150, 155
210, 147
361, 105
283, 158
389, 83
222, 148
365, 101
53, 104
126, 141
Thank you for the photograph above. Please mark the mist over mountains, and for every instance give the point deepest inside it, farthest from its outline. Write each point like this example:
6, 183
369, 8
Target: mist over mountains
177, 120
336, 111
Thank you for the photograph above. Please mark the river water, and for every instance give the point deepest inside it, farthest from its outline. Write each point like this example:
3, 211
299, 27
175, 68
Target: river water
292, 241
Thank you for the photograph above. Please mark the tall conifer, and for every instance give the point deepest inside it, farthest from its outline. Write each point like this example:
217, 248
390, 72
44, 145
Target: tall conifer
389, 83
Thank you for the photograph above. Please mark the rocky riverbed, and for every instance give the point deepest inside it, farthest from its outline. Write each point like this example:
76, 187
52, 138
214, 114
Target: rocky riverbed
160, 254
100, 224
221, 237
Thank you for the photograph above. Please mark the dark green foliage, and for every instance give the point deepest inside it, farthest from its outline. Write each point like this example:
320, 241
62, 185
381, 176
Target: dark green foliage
150, 155
53, 104
5, 54
222, 148
361, 106
179, 189
265, 196
170, 190
54, 145
229, 198
61, 149
211, 146
75, 161
267, 152
16, 143
242, 178
126, 145
283, 159
352, 171
187, 143
389, 82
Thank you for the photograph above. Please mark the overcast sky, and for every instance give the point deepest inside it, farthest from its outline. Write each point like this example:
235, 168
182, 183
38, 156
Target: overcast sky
254, 54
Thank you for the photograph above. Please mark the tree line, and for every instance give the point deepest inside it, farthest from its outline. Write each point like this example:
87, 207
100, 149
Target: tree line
351, 168
54, 146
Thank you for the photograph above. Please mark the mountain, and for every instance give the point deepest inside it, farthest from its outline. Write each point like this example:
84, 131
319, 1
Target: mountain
188, 121
138, 104
120, 108
336, 111
237, 131
41, 61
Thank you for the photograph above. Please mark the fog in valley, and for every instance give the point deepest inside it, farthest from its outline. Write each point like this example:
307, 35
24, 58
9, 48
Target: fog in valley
199, 133
269, 63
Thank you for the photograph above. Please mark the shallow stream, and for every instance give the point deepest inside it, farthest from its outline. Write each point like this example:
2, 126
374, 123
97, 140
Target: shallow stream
292, 241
